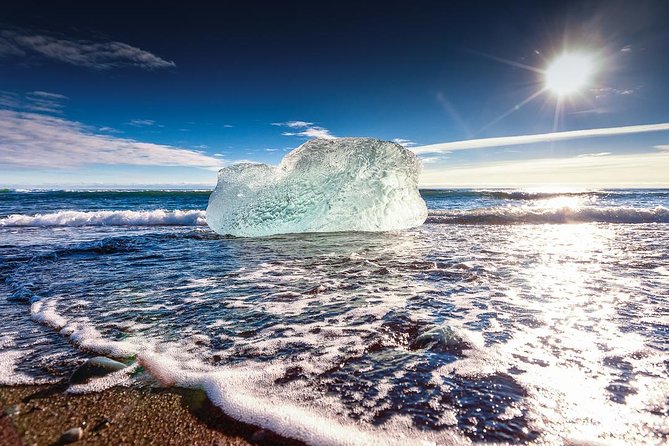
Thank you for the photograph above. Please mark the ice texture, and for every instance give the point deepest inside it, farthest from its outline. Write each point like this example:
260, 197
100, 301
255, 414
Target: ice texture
325, 185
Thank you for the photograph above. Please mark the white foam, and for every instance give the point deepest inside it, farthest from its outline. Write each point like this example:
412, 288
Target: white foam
82, 332
9, 376
45, 313
237, 393
118, 378
159, 217
87, 337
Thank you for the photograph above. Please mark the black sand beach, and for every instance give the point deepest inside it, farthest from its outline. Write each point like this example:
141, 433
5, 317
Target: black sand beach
39, 415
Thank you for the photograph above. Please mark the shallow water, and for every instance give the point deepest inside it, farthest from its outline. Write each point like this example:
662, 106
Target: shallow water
558, 332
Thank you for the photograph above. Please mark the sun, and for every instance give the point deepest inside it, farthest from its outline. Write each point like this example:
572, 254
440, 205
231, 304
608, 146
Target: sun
569, 74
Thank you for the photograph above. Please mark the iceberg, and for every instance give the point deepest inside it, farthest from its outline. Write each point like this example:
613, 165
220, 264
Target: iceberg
325, 185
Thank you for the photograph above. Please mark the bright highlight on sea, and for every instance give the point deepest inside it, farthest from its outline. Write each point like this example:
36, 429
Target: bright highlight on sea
508, 317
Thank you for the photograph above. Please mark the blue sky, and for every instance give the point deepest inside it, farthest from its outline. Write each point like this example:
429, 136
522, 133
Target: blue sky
94, 96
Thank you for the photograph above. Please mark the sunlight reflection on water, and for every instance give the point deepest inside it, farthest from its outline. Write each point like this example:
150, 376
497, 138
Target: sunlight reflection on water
561, 329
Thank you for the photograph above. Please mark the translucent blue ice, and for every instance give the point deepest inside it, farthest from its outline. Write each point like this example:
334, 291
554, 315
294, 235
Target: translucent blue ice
325, 185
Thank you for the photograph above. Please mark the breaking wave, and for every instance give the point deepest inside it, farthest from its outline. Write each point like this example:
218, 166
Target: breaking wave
483, 216
528, 215
158, 217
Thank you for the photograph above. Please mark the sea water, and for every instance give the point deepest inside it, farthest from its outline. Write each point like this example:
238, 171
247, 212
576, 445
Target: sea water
511, 316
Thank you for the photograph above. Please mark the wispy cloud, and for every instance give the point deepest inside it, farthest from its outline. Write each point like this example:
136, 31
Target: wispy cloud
109, 129
43, 141
293, 124
307, 129
405, 142
38, 101
85, 53
144, 123
312, 132
9, 99
590, 155
48, 95
141, 122
538, 138
605, 92
44, 101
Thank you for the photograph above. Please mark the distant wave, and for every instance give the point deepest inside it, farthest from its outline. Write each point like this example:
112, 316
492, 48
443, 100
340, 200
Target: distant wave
527, 215
108, 218
501, 194
106, 193
523, 195
506, 194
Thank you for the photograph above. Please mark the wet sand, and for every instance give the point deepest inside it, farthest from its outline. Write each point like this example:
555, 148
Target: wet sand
38, 415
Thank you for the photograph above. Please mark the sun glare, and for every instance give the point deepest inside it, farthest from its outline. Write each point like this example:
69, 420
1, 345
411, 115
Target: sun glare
569, 73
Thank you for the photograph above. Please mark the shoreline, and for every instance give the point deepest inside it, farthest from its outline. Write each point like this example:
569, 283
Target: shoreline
40, 414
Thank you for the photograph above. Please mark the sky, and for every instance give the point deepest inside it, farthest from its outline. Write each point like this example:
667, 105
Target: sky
112, 94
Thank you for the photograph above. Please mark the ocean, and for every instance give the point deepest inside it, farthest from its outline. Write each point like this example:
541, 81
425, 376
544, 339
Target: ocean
510, 316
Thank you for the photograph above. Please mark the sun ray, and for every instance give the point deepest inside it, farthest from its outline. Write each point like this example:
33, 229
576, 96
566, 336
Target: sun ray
513, 109
507, 61
566, 77
556, 115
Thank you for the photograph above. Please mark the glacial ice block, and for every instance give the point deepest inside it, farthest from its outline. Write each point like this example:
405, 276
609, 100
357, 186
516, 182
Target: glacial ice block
325, 185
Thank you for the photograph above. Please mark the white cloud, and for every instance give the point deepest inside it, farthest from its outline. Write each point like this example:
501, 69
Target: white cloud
142, 122
585, 155
42, 141
662, 147
308, 129
48, 95
293, 124
537, 138
86, 53
404, 142
312, 132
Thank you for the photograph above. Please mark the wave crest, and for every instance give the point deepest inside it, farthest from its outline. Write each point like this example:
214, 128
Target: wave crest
159, 217
484, 216
525, 215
